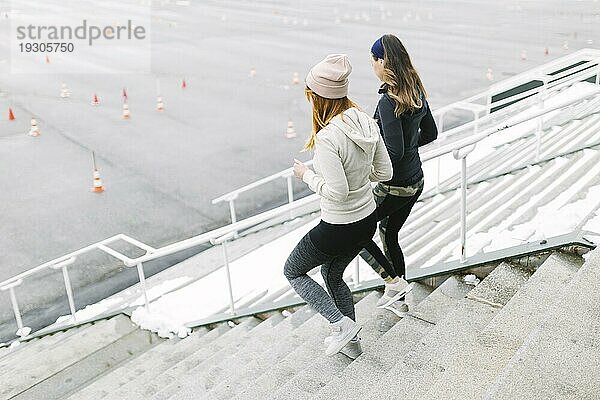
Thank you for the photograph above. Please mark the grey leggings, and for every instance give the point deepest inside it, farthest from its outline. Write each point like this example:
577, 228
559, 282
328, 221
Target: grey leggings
307, 256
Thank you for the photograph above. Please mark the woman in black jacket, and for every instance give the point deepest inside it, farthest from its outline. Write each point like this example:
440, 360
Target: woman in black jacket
406, 122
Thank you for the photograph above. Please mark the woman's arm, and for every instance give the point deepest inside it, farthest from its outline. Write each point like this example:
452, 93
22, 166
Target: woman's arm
391, 129
331, 183
381, 170
429, 130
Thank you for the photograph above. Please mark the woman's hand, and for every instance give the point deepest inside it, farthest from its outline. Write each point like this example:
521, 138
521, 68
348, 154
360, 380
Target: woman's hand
299, 169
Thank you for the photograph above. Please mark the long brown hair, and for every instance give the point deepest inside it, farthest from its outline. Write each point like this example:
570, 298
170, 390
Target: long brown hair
401, 78
323, 110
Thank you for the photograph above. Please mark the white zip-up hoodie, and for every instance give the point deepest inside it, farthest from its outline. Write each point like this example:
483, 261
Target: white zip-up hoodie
349, 154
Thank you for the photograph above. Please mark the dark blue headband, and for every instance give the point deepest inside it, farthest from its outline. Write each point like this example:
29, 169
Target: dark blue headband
377, 48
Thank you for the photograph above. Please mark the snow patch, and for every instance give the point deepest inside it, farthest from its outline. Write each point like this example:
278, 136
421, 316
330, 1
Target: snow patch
163, 324
90, 311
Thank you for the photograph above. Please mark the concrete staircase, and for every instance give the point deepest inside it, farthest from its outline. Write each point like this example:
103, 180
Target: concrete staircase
56, 365
520, 333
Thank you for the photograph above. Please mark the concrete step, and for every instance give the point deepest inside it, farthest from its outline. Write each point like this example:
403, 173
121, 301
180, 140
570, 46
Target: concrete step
560, 359
304, 346
88, 369
34, 347
7, 350
423, 364
311, 379
18, 378
206, 375
398, 340
290, 323
149, 364
144, 388
486, 354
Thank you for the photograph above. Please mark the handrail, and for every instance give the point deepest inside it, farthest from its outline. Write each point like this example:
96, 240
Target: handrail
281, 174
237, 226
460, 150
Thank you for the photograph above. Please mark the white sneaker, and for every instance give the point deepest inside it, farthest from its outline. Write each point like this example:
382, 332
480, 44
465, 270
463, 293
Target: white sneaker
352, 350
343, 332
394, 291
398, 307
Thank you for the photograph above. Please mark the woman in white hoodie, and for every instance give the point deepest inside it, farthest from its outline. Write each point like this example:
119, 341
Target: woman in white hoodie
348, 154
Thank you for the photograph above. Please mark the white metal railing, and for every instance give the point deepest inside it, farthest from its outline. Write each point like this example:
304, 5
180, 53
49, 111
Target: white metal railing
460, 149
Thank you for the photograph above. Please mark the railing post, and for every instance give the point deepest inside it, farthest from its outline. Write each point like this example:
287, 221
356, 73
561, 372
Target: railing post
69, 291
461, 154
232, 213
357, 272
463, 209
15, 307
438, 162
140, 269
290, 190
228, 274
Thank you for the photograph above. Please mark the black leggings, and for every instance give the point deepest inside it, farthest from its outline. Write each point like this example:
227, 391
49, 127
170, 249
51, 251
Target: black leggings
393, 208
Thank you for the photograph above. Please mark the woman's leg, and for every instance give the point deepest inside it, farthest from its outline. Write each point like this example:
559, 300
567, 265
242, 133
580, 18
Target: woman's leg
302, 259
390, 227
373, 256
333, 273
371, 253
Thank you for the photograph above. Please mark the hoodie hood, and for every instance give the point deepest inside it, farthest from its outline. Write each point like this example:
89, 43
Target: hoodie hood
358, 127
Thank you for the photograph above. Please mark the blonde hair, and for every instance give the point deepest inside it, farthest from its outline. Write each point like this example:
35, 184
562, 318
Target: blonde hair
323, 110
402, 80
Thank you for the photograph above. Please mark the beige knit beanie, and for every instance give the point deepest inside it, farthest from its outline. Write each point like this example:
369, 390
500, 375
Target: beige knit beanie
329, 78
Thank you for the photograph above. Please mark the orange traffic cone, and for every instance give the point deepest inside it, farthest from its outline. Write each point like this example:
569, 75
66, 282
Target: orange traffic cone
290, 132
295, 79
97, 188
95, 100
160, 106
183, 84
11, 115
126, 114
35, 130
